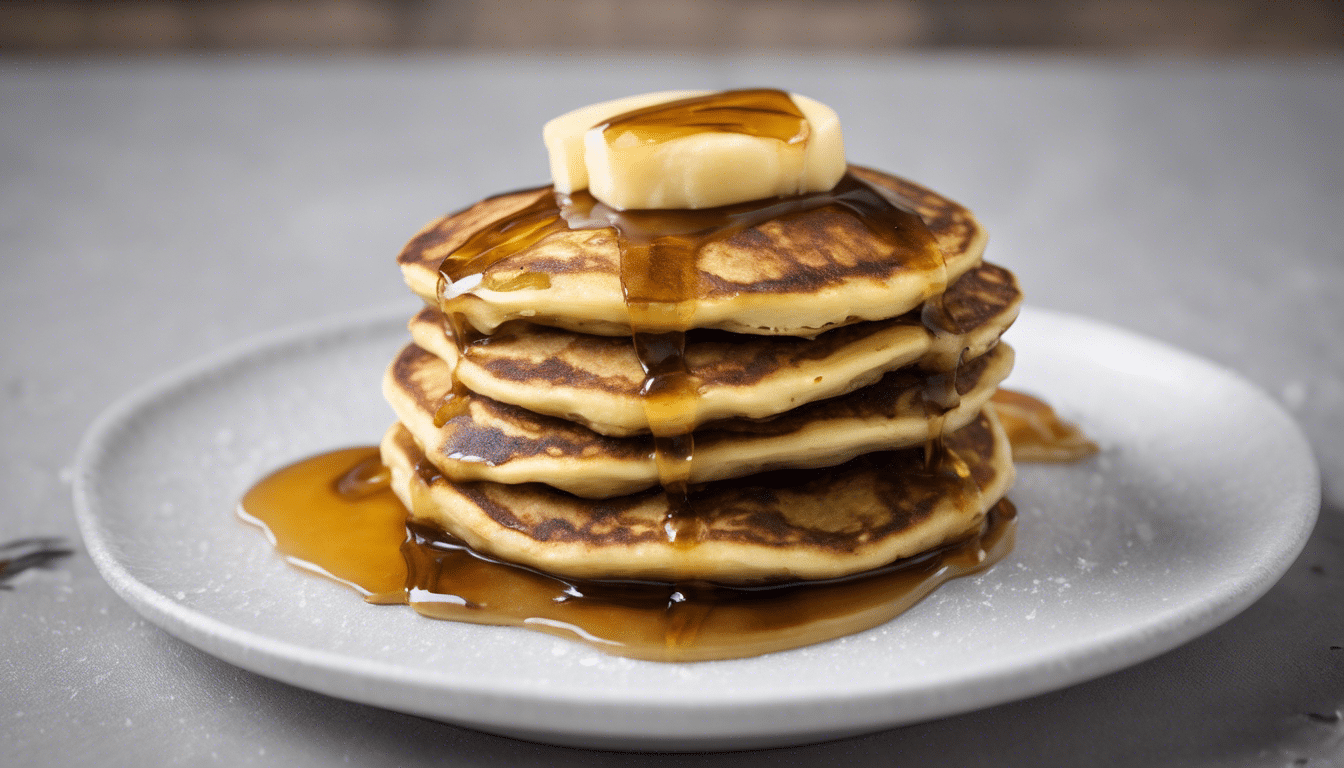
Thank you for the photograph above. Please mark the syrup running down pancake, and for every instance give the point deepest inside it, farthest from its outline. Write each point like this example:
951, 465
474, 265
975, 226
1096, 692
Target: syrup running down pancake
335, 514
802, 266
789, 394
596, 380
488, 440
783, 269
767, 527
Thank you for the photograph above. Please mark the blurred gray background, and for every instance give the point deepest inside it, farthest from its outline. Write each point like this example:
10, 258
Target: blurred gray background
701, 26
176, 177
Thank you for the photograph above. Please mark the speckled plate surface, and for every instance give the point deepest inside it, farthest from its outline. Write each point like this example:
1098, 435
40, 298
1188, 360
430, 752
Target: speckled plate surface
1203, 494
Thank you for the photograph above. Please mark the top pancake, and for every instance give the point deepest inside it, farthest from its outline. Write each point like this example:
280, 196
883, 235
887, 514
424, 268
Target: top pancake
797, 274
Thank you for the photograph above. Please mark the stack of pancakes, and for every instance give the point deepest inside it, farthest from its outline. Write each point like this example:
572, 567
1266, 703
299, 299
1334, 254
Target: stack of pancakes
840, 418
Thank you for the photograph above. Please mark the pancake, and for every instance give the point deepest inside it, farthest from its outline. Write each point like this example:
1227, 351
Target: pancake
596, 380
799, 272
783, 526
490, 440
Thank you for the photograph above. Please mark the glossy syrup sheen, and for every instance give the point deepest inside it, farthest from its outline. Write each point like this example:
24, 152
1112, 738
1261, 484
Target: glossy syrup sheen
659, 275
763, 112
334, 514
1036, 431
659, 250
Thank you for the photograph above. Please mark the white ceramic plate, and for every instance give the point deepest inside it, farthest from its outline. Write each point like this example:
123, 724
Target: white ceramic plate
1203, 495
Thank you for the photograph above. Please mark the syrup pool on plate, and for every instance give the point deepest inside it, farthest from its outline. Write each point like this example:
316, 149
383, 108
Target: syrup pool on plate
334, 514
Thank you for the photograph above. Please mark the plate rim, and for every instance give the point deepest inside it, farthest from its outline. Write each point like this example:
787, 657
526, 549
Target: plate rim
844, 709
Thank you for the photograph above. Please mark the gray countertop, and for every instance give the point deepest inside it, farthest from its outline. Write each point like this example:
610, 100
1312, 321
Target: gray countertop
153, 210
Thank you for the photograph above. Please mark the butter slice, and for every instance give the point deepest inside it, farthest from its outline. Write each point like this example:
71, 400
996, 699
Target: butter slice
564, 134
702, 170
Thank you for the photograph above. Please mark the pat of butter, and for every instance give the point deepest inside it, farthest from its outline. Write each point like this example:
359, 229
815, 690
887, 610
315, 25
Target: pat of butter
700, 168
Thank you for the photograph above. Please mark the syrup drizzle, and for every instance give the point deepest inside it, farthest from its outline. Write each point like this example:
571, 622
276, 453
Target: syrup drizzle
1036, 431
660, 278
658, 262
334, 515
763, 112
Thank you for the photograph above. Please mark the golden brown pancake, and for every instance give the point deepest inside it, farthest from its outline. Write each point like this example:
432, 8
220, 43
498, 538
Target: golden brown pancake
490, 440
822, 332
798, 274
798, 524
596, 380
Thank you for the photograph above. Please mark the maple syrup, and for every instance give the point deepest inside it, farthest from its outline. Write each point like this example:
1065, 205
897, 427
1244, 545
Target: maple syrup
660, 280
1036, 432
335, 515
763, 112
659, 250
